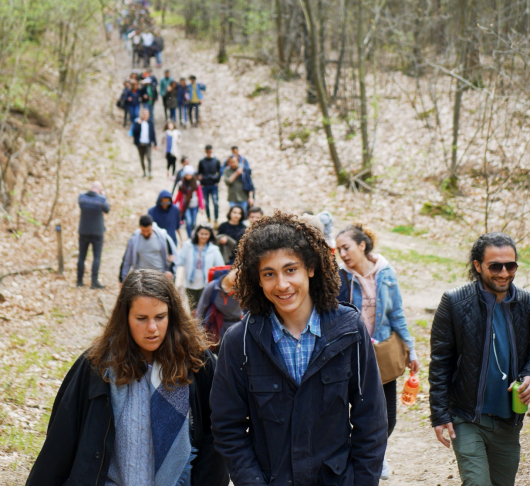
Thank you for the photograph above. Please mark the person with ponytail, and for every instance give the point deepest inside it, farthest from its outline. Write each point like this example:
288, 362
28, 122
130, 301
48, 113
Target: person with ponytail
134, 408
370, 283
189, 198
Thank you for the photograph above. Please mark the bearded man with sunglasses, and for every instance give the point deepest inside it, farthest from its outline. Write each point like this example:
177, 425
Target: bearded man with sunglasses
479, 347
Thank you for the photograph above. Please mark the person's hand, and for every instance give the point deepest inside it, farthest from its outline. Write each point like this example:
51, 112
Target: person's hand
524, 390
439, 430
250, 202
223, 240
239, 170
129, 98
414, 366
169, 275
200, 102
170, 258
145, 96
155, 148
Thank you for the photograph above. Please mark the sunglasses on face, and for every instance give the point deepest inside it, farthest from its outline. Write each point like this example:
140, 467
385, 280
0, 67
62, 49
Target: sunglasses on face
496, 268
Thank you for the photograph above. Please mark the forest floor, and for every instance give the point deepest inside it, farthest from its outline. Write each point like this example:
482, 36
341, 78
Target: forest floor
46, 322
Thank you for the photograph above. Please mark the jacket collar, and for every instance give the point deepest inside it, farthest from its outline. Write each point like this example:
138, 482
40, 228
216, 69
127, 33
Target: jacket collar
490, 298
97, 386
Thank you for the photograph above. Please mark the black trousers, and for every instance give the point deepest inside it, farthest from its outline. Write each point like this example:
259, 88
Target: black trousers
97, 247
390, 390
171, 159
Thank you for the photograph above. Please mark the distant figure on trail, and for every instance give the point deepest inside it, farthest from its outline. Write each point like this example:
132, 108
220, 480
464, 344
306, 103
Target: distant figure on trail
219, 308
181, 99
370, 283
150, 247
194, 99
171, 100
197, 256
185, 160
172, 138
238, 193
210, 175
166, 215
189, 198
147, 42
230, 232
134, 100
144, 138
164, 84
296, 397
149, 95
327, 220
123, 102
91, 230
135, 405
480, 346
255, 213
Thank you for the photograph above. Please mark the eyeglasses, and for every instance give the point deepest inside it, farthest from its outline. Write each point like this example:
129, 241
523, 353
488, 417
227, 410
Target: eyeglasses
496, 268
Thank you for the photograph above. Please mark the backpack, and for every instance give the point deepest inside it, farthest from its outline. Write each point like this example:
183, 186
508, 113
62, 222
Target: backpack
216, 273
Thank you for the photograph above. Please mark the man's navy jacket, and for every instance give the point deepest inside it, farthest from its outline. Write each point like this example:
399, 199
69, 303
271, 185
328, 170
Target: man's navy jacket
273, 431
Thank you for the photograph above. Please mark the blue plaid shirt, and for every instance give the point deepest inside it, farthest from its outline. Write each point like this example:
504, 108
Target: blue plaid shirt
296, 353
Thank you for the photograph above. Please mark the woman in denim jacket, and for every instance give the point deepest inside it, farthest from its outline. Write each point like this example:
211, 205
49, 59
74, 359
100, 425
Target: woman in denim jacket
370, 283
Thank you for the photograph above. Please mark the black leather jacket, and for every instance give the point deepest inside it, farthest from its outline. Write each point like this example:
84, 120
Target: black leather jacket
460, 351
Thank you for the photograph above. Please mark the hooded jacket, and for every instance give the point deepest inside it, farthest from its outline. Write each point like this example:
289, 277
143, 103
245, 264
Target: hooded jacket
329, 430
188, 259
168, 219
460, 351
389, 306
81, 432
167, 247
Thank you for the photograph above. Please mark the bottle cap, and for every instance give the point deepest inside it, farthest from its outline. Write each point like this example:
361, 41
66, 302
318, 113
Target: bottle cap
413, 381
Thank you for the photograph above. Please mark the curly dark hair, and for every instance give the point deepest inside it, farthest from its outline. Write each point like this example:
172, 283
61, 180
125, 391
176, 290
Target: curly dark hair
479, 248
285, 232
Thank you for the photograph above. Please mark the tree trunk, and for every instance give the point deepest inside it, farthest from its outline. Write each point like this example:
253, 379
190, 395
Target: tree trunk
342, 47
367, 157
222, 56
280, 37
311, 93
321, 94
322, 43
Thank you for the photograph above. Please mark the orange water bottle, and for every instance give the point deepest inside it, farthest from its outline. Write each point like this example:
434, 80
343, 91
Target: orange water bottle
410, 390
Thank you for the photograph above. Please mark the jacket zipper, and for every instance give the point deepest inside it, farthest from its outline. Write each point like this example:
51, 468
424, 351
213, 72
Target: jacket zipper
104, 446
484, 368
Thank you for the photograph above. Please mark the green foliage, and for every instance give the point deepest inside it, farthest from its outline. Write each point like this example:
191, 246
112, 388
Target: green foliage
303, 133
445, 210
260, 90
422, 323
408, 230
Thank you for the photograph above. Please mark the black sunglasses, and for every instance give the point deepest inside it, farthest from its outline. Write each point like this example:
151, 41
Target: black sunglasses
496, 268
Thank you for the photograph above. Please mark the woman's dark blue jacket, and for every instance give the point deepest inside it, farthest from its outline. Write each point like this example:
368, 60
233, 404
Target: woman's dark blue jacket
273, 431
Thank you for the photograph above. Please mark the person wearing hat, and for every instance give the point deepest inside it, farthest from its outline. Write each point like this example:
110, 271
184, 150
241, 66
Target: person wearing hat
189, 198
149, 95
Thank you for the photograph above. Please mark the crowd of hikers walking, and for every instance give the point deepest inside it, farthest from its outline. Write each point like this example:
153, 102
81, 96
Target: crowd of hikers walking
279, 362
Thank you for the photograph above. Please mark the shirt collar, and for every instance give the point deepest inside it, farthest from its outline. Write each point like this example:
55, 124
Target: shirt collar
279, 331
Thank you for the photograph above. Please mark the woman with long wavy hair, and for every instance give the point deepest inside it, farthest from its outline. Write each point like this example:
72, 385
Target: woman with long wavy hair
134, 407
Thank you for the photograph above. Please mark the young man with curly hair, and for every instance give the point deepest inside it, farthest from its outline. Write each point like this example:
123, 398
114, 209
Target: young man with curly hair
296, 398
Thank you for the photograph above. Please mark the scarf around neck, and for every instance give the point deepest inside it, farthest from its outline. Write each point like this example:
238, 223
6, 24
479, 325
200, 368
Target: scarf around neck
187, 188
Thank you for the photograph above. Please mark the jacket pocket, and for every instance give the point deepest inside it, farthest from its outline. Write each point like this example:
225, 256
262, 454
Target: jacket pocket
334, 467
335, 384
266, 390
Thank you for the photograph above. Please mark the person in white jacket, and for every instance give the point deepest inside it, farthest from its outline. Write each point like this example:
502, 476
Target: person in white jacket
172, 138
197, 256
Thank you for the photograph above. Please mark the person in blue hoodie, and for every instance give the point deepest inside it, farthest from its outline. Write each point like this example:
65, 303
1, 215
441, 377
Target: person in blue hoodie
166, 215
296, 397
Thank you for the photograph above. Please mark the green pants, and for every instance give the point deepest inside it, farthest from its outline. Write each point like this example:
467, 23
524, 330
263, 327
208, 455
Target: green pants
487, 453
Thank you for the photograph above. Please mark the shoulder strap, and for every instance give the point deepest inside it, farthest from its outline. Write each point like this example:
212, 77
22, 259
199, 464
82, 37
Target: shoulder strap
214, 291
344, 274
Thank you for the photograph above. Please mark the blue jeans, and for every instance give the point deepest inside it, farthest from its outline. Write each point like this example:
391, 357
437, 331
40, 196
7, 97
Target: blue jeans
158, 56
150, 107
183, 113
214, 192
173, 114
243, 205
133, 112
191, 218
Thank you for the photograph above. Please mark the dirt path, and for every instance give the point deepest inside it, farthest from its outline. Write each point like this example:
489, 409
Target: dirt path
291, 179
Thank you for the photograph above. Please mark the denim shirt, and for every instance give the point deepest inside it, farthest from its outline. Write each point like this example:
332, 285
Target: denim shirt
389, 307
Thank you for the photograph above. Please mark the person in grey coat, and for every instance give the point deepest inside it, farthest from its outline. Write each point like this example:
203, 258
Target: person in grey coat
91, 230
150, 247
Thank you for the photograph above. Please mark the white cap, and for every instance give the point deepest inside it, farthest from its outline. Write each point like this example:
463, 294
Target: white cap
188, 170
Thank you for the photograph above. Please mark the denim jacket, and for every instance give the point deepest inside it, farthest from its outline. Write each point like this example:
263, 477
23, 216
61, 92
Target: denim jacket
389, 307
